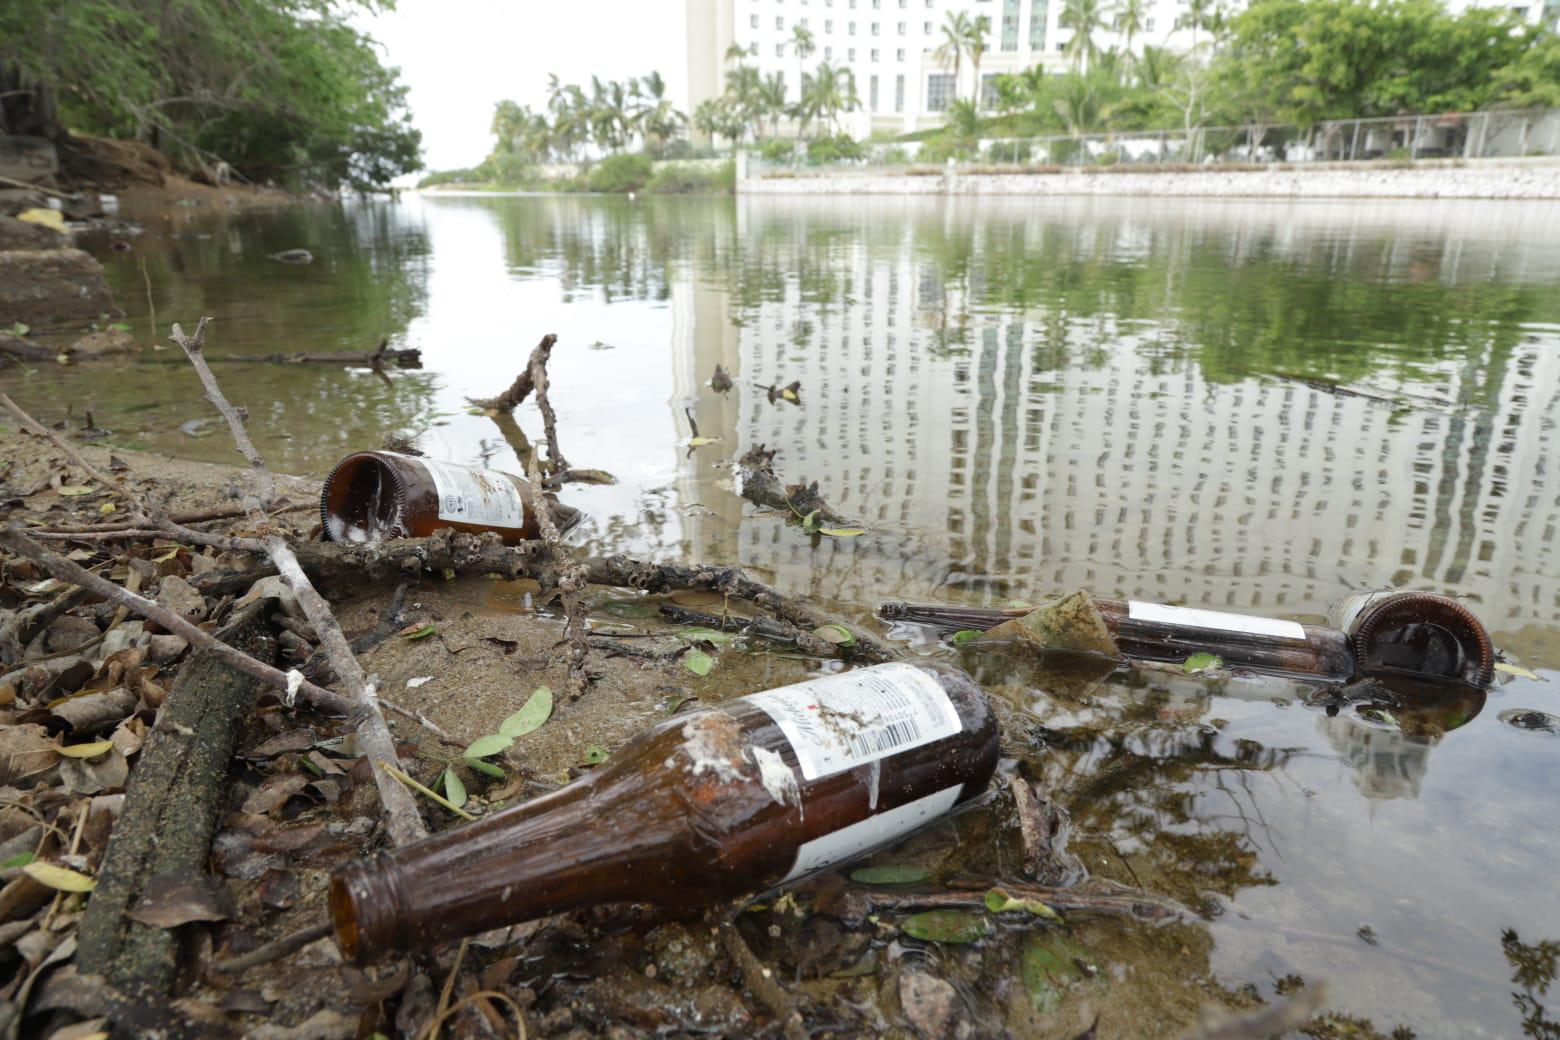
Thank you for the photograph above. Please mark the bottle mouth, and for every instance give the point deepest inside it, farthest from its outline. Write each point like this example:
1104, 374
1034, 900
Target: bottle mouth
363, 500
1426, 635
366, 909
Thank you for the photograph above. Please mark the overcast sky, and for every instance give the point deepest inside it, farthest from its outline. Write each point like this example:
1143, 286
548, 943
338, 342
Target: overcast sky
459, 57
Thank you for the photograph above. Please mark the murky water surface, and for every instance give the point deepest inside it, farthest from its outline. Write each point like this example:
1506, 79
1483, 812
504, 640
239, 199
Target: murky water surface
1255, 406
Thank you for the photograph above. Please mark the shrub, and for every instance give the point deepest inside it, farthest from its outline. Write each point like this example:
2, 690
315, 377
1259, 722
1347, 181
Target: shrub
895, 156
620, 173
684, 179
776, 149
839, 148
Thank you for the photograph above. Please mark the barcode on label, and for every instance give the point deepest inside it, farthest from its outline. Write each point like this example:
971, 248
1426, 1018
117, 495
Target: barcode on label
847, 720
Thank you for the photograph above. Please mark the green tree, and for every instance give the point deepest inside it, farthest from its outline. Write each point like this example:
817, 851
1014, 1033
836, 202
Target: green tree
1131, 16
956, 30
286, 91
975, 47
658, 119
828, 92
802, 45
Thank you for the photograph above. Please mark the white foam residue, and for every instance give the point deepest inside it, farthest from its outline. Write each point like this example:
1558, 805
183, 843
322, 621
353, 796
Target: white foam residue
777, 777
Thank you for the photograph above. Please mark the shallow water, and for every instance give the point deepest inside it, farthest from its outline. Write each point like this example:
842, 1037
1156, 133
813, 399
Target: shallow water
1254, 406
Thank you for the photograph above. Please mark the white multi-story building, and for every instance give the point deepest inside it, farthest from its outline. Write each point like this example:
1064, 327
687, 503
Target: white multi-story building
890, 46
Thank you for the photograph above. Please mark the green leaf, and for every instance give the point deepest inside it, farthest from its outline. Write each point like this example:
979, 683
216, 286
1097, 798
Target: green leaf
1516, 669
1201, 662
998, 901
484, 747
486, 767
119, 326
708, 635
57, 877
891, 874
595, 754
20, 328
19, 860
839, 635
699, 442
810, 522
74, 490
947, 926
454, 790
422, 633
531, 715
698, 662
1047, 966
842, 532
966, 635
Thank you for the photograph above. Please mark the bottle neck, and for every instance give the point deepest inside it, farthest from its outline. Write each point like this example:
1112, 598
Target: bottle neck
563, 850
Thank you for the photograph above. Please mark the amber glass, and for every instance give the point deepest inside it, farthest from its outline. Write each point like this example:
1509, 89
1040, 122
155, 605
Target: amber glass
1373, 634
374, 495
684, 815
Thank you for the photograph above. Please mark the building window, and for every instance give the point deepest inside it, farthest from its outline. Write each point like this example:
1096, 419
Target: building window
1149, 25
779, 50
899, 55
753, 48
851, 28
802, 22
875, 28
828, 54
874, 54
779, 22
872, 92
988, 91
1037, 16
877, 4
850, 55
902, 28
939, 91
828, 25
754, 21
926, 28
1010, 25
899, 93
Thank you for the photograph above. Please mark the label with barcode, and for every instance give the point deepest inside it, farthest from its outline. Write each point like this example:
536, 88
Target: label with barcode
841, 721
475, 496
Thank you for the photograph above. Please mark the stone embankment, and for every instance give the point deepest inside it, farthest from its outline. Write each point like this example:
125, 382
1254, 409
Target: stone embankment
1481, 179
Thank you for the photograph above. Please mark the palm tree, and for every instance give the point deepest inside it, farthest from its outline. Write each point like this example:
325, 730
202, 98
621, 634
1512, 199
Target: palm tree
1157, 67
1084, 18
508, 121
830, 90
1077, 103
1131, 17
975, 47
769, 99
1200, 14
956, 33
656, 116
803, 44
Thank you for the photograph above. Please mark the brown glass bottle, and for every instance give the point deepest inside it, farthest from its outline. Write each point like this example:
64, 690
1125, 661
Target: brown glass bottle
705, 807
1378, 633
373, 495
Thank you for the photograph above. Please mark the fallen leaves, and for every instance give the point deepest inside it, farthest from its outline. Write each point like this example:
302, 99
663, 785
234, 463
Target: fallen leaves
61, 879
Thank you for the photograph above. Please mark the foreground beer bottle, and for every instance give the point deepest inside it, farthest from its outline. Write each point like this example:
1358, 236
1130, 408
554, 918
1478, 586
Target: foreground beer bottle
374, 495
705, 807
1388, 632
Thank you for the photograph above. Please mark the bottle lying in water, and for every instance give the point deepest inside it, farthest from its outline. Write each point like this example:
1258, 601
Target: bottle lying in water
702, 808
1380, 633
374, 495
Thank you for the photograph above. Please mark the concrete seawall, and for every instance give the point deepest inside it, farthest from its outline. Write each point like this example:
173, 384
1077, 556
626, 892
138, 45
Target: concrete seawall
1486, 179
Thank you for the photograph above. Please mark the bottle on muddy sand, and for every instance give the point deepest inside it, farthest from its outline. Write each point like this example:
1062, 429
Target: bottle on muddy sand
374, 495
1387, 632
704, 807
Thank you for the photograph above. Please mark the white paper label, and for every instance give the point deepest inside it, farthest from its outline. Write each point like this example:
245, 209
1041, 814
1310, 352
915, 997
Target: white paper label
1190, 617
475, 496
857, 717
876, 830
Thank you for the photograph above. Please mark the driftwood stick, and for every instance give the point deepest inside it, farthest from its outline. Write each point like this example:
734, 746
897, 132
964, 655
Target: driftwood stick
401, 816
175, 795
196, 516
762, 628
571, 577
521, 388
555, 459
273, 951
762, 982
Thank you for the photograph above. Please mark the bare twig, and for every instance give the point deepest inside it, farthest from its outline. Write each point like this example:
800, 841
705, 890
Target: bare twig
761, 486
521, 388
555, 459
761, 981
273, 951
402, 819
571, 580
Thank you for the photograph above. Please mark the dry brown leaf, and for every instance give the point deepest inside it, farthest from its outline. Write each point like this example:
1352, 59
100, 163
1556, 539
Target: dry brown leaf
275, 791
179, 897
108, 773
26, 751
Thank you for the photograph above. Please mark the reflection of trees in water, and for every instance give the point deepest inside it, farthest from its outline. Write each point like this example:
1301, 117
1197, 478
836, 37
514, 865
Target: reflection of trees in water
1533, 967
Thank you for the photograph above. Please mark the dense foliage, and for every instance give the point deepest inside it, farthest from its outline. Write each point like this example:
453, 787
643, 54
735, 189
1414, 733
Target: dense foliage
280, 90
1278, 61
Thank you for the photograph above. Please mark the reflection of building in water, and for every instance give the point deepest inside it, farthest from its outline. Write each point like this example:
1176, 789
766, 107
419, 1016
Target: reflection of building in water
1387, 763
1050, 452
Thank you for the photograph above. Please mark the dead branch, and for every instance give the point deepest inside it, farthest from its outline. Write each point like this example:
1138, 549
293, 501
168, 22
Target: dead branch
555, 459
761, 486
273, 951
401, 816
380, 358
1095, 896
761, 628
524, 383
762, 982
571, 577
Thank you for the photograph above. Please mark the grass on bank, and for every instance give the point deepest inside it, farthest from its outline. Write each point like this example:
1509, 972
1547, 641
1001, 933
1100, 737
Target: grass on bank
616, 174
